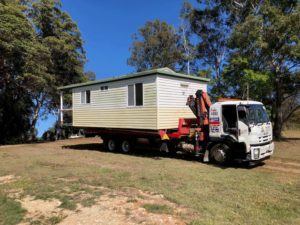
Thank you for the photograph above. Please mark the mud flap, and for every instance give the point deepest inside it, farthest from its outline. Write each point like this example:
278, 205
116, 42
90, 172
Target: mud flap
206, 156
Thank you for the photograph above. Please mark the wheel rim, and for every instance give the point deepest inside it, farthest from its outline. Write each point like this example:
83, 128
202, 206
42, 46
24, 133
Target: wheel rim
125, 146
111, 145
220, 154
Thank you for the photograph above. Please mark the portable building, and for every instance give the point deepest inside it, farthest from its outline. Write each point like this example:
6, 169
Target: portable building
153, 99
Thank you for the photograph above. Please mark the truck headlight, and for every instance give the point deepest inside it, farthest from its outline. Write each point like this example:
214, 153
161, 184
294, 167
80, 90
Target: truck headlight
256, 153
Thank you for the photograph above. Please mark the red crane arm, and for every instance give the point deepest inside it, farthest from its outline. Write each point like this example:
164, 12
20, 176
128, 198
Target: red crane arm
200, 106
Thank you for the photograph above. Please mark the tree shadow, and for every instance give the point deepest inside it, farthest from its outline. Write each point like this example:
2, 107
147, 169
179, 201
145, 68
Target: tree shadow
85, 147
155, 154
290, 139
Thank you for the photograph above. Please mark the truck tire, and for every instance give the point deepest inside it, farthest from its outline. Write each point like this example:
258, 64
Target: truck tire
219, 154
126, 146
111, 145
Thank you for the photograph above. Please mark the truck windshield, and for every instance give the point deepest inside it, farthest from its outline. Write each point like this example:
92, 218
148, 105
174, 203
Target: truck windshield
257, 114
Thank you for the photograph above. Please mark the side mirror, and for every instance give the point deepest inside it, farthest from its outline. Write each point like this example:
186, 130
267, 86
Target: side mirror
242, 108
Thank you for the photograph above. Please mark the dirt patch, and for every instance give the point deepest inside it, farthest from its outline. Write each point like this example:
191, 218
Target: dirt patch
282, 166
7, 179
282, 169
113, 207
37, 208
123, 208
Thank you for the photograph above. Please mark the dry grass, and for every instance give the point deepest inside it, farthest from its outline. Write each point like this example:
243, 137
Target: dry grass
289, 147
213, 195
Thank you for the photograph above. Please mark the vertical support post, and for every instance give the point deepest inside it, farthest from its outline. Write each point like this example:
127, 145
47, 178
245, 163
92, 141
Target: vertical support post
247, 91
61, 119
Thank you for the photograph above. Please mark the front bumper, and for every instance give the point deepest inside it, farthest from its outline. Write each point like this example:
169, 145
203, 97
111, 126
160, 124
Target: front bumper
260, 152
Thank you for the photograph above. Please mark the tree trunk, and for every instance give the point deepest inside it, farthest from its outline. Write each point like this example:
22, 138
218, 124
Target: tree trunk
32, 129
277, 128
278, 120
35, 119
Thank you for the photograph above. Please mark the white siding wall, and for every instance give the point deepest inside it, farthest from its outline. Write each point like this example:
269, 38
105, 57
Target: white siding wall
110, 109
172, 96
164, 103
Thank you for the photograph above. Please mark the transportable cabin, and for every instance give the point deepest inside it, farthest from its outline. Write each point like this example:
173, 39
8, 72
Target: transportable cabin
153, 99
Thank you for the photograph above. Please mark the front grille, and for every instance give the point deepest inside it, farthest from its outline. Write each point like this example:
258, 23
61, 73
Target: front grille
265, 138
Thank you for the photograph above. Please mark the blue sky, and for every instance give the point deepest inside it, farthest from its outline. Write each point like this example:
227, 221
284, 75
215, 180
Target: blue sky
107, 27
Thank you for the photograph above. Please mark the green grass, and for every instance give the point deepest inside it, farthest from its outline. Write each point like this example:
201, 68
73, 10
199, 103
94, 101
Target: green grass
213, 195
67, 203
11, 211
131, 200
158, 208
54, 220
88, 202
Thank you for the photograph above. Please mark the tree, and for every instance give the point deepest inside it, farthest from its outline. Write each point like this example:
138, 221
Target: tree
155, 45
20, 58
41, 49
90, 75
269, 41
211, 24
253, 44
57, 32
189, 62
15, 111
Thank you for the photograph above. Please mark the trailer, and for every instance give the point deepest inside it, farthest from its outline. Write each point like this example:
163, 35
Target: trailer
125, 140
221, 132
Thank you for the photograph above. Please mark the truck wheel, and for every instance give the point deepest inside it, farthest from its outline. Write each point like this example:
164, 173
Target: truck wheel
111, 145
219, 154
164, 147
126, 146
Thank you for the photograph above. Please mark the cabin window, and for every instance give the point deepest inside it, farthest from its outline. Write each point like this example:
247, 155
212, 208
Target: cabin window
135, 94
104, 88
86, 97
130, 95
139, 94
82, 97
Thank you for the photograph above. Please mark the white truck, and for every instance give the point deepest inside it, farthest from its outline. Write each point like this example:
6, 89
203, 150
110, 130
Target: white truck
241, 130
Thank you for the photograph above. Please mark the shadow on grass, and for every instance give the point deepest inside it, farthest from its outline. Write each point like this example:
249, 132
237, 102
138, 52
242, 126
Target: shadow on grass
139, 151
290, 139
154, 153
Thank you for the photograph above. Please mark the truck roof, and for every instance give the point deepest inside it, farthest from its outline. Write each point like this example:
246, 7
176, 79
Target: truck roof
161, 71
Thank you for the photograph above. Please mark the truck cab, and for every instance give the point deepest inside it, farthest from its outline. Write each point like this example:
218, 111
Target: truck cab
241, 130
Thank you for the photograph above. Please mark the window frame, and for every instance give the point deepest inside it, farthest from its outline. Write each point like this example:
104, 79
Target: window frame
104, 88
84, 93
82, 97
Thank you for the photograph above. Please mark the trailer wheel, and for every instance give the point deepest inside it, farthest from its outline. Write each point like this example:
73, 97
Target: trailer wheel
111, 145
126, 146
220, 154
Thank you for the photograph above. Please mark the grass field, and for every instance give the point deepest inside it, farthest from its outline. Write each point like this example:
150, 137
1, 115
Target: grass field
77, 177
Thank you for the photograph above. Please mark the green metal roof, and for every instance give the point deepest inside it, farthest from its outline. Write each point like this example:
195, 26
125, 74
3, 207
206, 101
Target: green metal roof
162, 71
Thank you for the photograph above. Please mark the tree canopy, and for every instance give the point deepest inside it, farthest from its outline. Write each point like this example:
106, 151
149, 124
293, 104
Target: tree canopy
252, 45
60, 35
41, 49
155, 45
19, 53
268, 42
